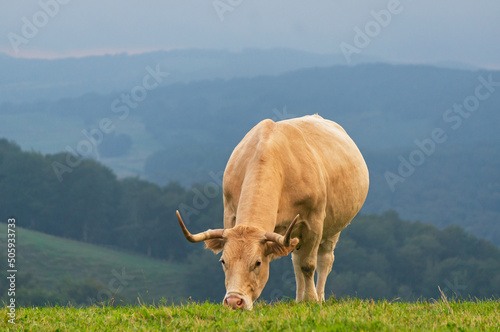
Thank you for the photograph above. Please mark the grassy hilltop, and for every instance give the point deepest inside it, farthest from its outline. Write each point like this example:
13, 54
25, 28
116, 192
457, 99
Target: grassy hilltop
343, 315
50, 267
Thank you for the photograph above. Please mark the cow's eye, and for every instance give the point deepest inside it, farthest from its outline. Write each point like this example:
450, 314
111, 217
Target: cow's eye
258, 263
223, 262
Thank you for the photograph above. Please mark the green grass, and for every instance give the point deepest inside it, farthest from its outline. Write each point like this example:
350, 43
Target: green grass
51, 260
342, 315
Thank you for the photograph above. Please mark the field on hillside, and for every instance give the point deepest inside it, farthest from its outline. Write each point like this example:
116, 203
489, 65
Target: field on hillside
51, 263
342, 315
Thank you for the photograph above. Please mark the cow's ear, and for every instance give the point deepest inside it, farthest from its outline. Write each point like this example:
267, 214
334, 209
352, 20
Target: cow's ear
216, 245
275, 250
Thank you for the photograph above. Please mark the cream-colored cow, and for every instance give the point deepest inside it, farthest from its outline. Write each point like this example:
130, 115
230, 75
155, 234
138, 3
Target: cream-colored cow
289, 186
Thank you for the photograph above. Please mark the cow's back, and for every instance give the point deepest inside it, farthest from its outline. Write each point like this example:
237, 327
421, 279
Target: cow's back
312, 165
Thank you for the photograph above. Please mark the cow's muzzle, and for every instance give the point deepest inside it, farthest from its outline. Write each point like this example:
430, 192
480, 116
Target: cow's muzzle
234, 302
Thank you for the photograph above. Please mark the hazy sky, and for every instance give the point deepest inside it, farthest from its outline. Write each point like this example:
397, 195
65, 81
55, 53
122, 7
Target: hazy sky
417, 31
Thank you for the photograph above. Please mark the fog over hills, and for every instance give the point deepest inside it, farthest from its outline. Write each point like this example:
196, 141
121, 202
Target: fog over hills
26, 80
430, 135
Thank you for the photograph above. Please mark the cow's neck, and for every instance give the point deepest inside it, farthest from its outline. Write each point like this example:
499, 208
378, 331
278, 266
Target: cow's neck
260, 195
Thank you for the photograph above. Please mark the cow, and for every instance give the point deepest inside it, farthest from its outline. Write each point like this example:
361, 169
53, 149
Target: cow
289, 187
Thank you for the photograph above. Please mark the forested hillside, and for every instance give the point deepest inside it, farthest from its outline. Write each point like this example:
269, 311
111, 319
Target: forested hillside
186, 132
377, 256
54, 270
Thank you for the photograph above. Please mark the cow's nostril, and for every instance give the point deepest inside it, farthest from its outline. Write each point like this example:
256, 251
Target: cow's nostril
234, 301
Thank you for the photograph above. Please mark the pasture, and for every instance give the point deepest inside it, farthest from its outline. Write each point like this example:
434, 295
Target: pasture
349, 314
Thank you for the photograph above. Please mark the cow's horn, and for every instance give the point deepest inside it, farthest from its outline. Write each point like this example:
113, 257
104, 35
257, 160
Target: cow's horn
206, 235
284, 240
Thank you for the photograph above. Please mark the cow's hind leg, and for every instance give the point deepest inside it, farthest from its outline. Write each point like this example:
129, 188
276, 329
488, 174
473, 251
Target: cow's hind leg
325, 262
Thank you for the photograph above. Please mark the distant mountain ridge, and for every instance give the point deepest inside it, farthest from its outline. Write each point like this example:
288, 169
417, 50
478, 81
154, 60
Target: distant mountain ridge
381, 106
27, 80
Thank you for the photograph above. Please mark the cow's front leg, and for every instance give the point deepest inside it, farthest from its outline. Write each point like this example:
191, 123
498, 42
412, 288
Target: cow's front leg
325, 262
299, 277
304, 264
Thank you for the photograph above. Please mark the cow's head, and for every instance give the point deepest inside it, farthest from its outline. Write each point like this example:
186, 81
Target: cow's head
247, 252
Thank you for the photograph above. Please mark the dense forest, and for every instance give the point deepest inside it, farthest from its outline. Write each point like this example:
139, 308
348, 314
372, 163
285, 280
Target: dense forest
377, 256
